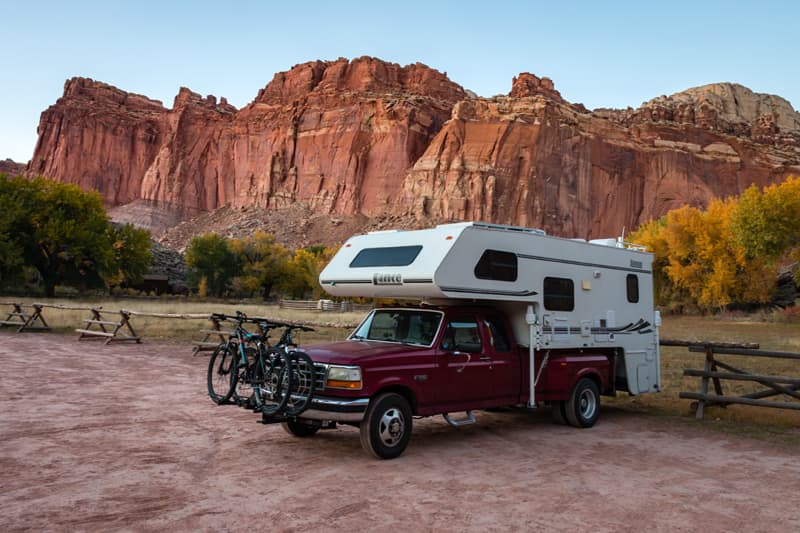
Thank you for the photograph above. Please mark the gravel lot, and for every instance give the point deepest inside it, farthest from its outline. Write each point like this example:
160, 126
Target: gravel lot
124, 437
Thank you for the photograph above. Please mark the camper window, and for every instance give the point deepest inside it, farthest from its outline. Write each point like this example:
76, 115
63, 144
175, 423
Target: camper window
559, 294
632, 284
497, 266
391, 256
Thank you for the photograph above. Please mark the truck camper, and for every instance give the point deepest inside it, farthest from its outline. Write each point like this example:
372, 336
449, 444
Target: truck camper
506, 316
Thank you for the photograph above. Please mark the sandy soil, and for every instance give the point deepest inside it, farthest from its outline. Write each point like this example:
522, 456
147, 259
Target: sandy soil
118, 437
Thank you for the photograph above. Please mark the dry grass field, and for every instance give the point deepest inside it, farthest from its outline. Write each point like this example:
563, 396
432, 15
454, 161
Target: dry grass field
768, 423
65, 321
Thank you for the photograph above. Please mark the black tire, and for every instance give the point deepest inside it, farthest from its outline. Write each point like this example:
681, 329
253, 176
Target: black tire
583, 407
559, 413
219, 374
245, 378
258, 377
298, 429
301, 383
386, 428
273, 393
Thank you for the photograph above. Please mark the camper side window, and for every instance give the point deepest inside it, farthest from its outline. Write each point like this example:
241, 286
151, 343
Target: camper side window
559, 294
390, 256
497, 266
632, 285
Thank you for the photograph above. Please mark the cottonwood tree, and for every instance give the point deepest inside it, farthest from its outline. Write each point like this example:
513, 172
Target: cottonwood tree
729, 253
65, 234
210, 257
263, 263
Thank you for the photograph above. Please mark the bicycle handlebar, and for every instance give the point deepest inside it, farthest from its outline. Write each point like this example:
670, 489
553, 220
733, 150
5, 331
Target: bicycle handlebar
264, 323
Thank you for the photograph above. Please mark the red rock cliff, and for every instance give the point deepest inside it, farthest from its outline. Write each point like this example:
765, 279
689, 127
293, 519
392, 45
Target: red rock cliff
372, 138
535, 160
338, 136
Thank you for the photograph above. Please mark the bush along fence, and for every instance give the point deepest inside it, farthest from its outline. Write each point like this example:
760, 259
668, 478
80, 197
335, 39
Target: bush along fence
715, 371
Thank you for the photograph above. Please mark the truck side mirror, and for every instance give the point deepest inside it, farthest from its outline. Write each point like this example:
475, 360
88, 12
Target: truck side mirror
447, 346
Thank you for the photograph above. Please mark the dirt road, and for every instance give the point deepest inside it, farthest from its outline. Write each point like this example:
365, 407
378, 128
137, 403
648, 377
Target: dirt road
97, 437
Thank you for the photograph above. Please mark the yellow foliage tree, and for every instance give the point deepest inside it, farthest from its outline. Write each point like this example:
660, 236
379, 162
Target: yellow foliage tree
727, 253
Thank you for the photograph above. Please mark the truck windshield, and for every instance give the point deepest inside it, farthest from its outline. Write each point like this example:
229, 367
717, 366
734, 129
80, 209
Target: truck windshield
410, 326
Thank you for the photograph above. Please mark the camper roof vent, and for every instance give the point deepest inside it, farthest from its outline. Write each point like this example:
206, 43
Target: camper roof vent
619, 243
606, 242
535, 231
384, 231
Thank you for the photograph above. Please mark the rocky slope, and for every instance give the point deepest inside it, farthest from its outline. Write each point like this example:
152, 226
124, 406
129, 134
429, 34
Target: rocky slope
11, 168
367, 143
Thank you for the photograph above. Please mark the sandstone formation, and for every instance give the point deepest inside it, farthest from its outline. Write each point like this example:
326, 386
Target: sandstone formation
337, 136
11, 168
370, 144
535, 160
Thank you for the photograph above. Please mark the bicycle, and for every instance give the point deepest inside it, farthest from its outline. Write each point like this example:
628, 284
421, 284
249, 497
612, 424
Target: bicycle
300, 381
234, 367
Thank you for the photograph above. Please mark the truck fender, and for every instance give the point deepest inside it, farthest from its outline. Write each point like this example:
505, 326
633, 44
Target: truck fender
399, 386
592, 374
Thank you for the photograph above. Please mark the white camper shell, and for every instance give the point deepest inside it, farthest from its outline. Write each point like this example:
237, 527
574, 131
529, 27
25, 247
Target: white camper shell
558, 293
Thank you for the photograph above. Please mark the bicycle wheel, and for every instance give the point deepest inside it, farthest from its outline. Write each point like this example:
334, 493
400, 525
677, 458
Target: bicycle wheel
258, 375
244, 378
274, 390
219, 374
301, 383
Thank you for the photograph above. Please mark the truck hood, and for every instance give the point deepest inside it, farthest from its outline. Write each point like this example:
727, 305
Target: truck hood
353, 352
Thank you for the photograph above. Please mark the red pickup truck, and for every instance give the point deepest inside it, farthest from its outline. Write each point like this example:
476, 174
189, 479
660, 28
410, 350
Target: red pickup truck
423, 361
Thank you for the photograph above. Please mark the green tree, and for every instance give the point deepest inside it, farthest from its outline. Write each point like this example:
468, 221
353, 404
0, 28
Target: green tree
132, 254
263, 263
766, 223
60, 231
210, 256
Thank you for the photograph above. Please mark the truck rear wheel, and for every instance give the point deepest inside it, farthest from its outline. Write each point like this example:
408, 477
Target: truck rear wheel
386, 428
583, 407
559, 413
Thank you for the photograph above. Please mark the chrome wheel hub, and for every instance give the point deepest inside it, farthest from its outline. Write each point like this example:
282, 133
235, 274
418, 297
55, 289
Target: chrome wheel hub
587, 404
392, 427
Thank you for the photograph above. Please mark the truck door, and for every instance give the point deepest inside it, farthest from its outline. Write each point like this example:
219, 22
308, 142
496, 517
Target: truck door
466, 369
504, 359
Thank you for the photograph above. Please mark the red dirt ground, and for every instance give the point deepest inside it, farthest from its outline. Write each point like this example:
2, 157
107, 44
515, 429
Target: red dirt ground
124, 437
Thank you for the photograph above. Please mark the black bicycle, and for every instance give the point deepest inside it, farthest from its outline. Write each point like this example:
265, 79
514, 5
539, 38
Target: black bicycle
239, 368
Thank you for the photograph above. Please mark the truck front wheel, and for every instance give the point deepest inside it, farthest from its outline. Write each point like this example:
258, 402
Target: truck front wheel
386, 428
583, 406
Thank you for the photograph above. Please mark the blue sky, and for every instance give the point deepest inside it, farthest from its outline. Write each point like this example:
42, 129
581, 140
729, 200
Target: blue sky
603, 54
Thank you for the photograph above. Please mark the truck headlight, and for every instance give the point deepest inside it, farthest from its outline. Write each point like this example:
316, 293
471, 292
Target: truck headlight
344, 377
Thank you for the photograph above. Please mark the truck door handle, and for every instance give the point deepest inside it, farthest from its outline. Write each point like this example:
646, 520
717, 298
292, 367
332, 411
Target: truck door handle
486, 358
469, 358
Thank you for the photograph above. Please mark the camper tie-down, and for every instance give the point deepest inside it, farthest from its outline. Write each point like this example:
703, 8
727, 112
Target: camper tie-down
507, 316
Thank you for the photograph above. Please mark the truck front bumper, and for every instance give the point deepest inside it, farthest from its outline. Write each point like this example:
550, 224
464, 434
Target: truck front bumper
336, 409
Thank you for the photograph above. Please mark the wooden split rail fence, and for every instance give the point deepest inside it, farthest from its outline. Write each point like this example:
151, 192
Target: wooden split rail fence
104, 325
23, 320
715, 371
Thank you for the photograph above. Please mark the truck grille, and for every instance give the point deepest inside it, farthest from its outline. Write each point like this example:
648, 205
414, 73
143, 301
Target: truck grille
320, 375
